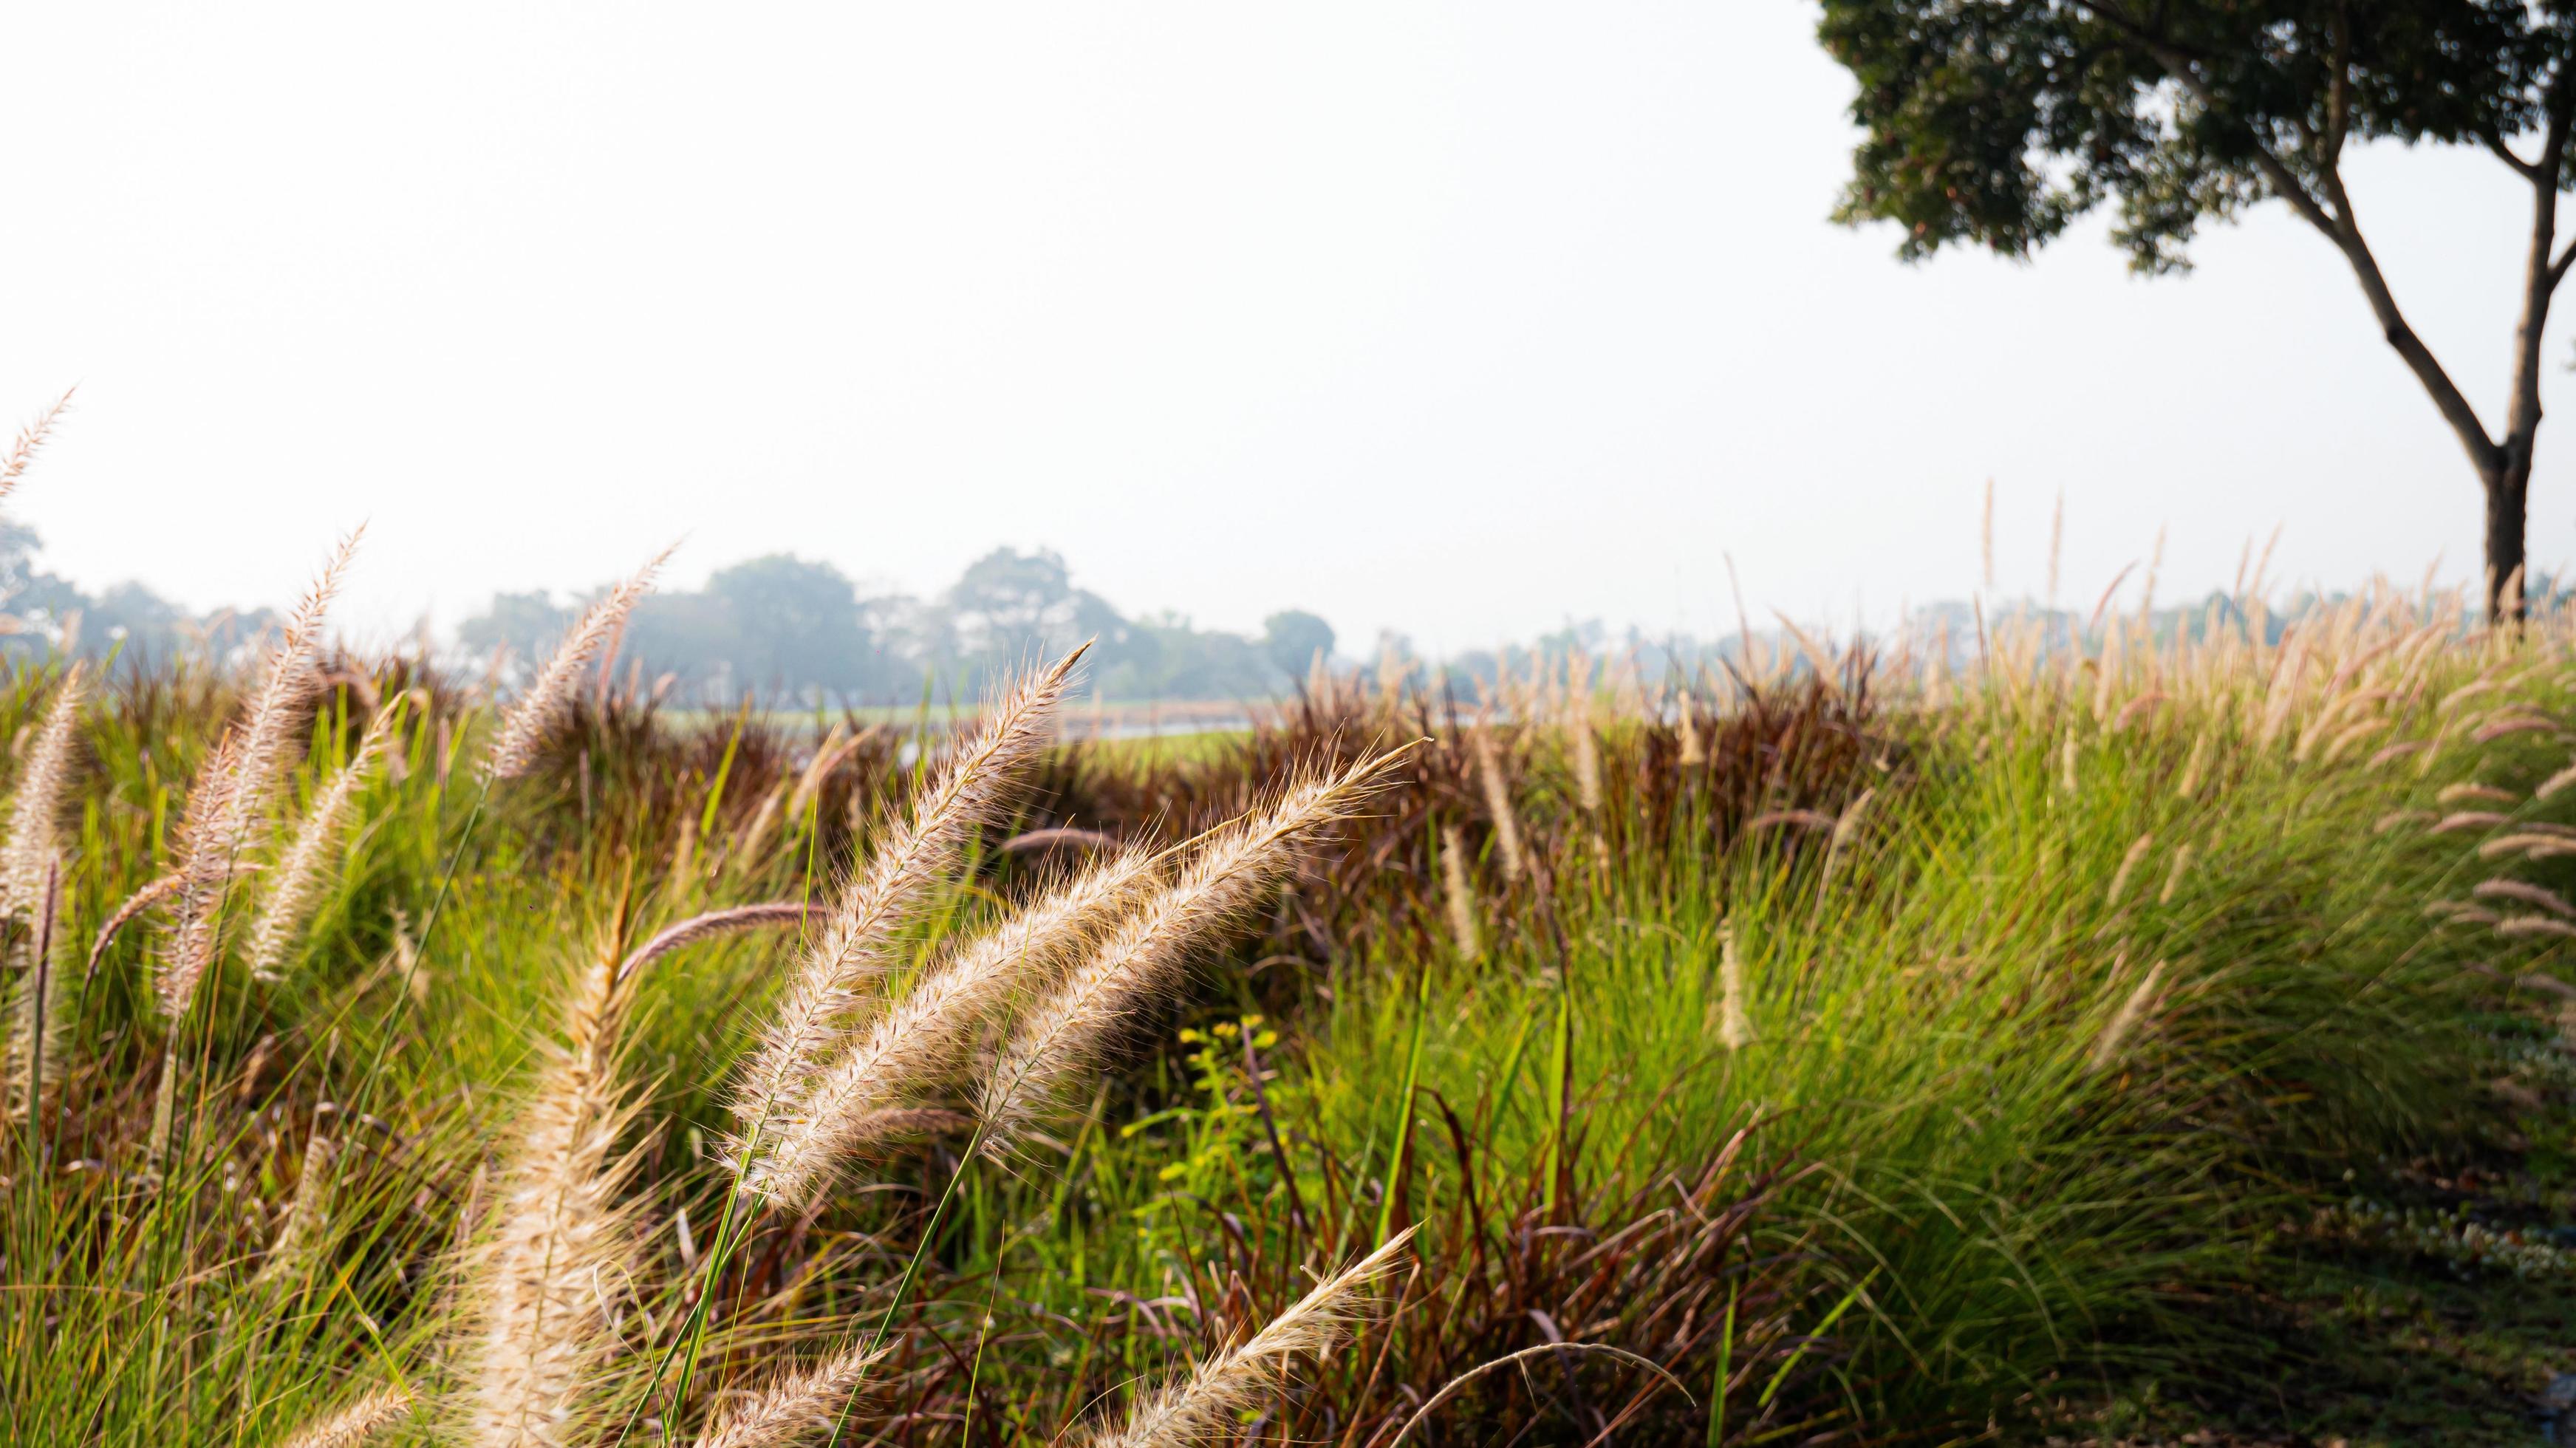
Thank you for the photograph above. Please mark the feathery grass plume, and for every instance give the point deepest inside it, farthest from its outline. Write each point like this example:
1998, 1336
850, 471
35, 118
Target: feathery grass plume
922, 1040
857, 948
2128, 863
299, 871
2555, 783
1460, 895
2173, 877
303, 1217
715, 923
206, 866
1498, 803
2066, 776
1734, 1027
356, 1423
235, 784
2528, 893
2192, 768
794, 1404
31, 440
1070, 1027
538, 1342
39, 1015
2528, 925
1587, 762
547, 702
38, 803
2106, 1049
1206, 1403
1694, 753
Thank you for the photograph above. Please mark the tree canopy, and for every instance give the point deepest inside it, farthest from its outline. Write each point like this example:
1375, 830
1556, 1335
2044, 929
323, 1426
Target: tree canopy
1997, 123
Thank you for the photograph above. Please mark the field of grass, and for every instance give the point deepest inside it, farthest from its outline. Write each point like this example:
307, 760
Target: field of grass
2166, 1036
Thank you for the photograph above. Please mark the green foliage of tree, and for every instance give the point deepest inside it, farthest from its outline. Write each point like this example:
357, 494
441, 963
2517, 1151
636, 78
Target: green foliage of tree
1997, 123
1293, 638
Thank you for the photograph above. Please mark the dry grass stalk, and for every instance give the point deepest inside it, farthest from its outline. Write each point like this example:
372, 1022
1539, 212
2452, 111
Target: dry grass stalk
921, 1041
1071, 1027
31, 440
538, 1341
1734, 1027
356, 1423
1206, 1404
1498, 803
858, 947
38, 804
548, 699
2106, 1049
793, 1405
2128, 864
232, 788
1458, 894
299, 870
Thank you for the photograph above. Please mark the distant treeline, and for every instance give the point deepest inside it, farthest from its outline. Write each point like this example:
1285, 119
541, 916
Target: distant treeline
785, 628
789, 630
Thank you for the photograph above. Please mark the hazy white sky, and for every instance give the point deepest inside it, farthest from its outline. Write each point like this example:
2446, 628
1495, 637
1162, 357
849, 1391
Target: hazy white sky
1462, 320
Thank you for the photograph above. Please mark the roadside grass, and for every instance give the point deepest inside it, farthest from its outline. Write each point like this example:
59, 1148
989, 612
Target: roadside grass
1873, 1051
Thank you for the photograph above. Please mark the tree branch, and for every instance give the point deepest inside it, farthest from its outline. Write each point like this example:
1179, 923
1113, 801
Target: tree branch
2530, 169
2340, 227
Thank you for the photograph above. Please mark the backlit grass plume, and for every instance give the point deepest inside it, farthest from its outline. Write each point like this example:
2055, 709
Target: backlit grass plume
356, 1423
39, 1018
1069, 1028
1498, 803
299, 871
858, 947
233, 787
37, 806
31, 440
795, 1405
547, 702
921, 1041
1206, 1403
538, 1344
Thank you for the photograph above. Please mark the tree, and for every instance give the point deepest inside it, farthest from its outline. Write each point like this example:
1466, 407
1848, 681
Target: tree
1293, 638
795, 625
1997, 123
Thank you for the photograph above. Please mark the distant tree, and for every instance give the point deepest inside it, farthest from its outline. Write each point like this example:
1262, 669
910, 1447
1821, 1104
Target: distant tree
524, 624
1008, 606
1292, 638
1996, 123
795, 625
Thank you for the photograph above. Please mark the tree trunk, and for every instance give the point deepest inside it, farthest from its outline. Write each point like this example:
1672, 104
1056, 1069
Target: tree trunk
2508, 490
